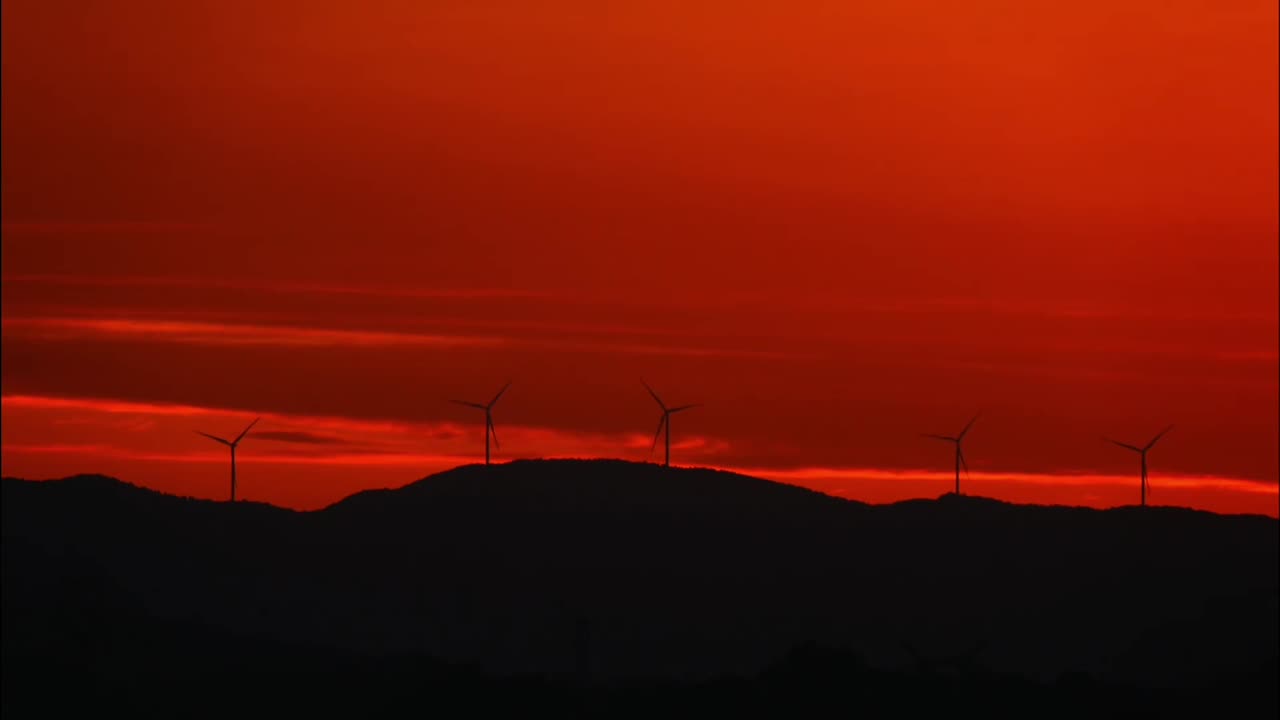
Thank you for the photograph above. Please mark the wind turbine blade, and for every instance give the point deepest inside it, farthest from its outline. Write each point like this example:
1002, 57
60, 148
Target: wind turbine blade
939, 437
494, 432
684, 407
654, 394
477, 406
1126, 446
246, 431
213, 437
963, 464
967, 426
658, 434
1157, 437
494, 401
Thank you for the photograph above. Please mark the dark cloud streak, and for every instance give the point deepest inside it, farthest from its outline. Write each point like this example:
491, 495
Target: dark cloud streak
290, 436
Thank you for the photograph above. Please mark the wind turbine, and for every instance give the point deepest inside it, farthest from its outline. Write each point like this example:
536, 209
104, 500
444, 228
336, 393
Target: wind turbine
1146, 486
489, 429
664, 422
232, 444
959, 452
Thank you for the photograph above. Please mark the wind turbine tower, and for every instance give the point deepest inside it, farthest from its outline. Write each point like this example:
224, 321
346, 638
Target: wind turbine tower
957, 439
489, 429
664, 422
1142, 451
232, 444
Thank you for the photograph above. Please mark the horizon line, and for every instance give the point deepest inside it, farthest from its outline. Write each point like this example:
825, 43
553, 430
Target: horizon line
686, 468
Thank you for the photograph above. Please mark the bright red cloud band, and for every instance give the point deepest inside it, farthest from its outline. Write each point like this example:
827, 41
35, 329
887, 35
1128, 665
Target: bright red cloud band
355, 454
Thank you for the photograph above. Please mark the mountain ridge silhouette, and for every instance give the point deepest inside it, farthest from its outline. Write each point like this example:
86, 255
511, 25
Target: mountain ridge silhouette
477, 470
632, 573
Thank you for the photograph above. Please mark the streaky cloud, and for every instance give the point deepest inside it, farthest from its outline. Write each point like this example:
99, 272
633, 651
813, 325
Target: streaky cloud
241, 335
290, 436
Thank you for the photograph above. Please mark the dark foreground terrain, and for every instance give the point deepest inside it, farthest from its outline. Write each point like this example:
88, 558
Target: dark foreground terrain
617, 589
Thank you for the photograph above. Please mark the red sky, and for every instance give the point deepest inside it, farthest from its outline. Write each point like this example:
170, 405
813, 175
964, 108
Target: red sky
838, 225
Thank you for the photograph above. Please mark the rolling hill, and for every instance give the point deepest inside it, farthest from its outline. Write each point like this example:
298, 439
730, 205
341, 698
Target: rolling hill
612, 575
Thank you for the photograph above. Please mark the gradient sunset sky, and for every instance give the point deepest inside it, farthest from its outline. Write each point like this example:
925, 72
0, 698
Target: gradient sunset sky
837, 224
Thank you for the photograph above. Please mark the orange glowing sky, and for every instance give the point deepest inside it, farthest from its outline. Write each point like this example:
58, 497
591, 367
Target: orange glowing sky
837, 225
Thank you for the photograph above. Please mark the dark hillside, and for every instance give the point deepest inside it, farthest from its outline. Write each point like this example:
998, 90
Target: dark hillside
629, 575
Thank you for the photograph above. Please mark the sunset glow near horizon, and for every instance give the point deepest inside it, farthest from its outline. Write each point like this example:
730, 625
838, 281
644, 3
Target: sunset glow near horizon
835, 227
